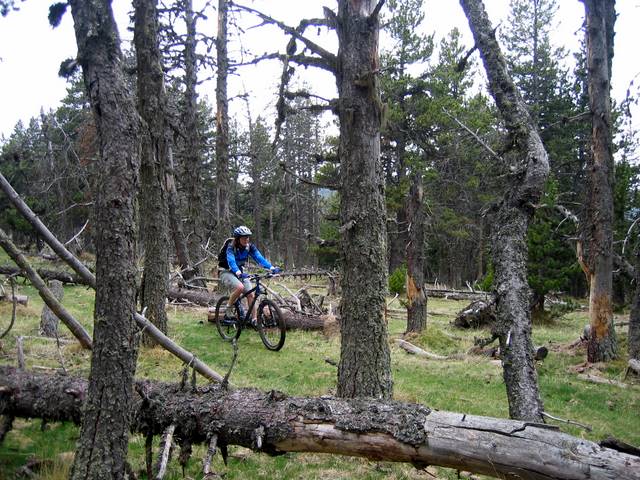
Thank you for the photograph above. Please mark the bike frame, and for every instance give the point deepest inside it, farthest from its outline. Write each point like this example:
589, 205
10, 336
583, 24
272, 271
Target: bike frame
258, 291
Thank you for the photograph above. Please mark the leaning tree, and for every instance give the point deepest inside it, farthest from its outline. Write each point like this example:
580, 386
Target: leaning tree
528, 170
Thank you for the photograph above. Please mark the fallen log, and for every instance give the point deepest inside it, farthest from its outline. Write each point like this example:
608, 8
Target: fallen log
204, 298
590, 377
21, 299
459, 294
379, 430
414, 350
478, 314
46, 274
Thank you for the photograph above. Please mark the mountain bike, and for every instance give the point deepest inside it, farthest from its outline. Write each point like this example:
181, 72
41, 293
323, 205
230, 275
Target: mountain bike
270, 325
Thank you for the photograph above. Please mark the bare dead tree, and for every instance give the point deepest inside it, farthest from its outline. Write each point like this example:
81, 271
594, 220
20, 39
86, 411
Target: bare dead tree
529, 168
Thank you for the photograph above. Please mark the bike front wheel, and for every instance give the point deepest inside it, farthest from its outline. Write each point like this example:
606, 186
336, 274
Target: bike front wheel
228, 329
271, 325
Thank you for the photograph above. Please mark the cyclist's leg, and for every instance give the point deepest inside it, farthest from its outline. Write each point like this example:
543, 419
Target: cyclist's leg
235, 288
248, 286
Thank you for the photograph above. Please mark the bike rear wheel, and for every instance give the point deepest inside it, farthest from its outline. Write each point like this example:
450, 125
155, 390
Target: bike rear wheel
271, 325
227, 330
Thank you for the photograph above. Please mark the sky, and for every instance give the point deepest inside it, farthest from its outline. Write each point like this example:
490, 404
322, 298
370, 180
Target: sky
31, 51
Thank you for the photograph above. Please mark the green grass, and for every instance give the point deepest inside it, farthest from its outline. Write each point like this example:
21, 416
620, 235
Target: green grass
469, 384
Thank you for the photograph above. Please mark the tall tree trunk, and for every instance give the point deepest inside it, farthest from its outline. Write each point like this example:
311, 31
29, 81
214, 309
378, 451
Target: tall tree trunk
365, 364
634, 315
175, 223
153, 196
102, 446
528, 159
192, 158
222, 127
600, 17
634, 321
416, 291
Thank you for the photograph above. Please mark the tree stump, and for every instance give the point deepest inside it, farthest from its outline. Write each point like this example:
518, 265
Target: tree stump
48, 320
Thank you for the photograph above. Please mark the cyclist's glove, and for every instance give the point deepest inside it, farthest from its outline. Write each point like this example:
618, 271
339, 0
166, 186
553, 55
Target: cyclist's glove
276, 270
244, 276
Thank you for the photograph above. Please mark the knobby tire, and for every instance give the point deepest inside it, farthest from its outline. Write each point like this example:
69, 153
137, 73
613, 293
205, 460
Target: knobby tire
227, 332
271, 325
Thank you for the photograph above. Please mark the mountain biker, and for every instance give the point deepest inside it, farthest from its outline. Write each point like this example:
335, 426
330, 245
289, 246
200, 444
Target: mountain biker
232, 278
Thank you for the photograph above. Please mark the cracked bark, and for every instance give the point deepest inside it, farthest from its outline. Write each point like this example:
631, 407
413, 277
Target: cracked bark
376, 429
102, 447
529, 168
365, 361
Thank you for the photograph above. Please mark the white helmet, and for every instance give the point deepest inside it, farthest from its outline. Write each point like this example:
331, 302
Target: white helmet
241, 231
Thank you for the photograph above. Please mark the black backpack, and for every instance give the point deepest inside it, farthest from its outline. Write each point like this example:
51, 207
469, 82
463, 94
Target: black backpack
222, 254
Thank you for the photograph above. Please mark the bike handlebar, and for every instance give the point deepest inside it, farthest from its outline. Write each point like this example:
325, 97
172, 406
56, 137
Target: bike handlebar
260, 276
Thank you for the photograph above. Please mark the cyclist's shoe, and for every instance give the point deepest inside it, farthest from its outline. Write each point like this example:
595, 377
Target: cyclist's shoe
229, 316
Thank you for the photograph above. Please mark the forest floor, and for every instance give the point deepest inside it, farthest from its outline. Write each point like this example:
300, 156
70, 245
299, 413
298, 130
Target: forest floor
304, 367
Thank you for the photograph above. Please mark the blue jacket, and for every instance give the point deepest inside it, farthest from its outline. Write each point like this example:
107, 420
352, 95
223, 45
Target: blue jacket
237, 257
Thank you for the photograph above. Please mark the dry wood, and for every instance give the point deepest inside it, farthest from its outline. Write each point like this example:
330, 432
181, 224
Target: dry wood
632, 366
49, 299
21, 299
165, 446
590, 377
411, 348
90, 280
375, 429
211, 451
46, 274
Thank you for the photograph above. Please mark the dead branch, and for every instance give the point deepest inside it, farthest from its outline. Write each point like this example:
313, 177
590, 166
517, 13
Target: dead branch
329, 58
570, 422
90, 279
49, 299
474, 135
165, 445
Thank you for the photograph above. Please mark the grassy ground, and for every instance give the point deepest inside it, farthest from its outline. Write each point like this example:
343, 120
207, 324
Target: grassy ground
470, 384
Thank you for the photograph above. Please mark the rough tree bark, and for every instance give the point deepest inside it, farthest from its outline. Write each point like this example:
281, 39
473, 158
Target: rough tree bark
154, 210
634, 315
416, 290
192, 161
600, 18
103, 443
529, 169
375, 429
48, 319
365, 364
222, 127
